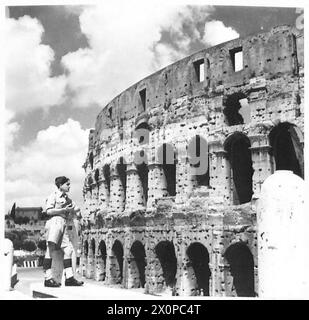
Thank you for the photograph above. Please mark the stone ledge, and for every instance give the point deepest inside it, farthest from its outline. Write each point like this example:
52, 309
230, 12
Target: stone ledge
88, 291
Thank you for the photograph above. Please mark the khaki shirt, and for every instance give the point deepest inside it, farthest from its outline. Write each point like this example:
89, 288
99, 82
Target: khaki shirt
58, 200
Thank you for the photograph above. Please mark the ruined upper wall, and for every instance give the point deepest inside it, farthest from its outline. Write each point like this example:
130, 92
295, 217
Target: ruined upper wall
270, 54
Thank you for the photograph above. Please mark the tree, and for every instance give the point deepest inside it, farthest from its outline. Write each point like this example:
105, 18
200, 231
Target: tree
29, 245
42, 245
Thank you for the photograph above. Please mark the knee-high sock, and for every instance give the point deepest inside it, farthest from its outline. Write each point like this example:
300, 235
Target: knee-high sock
47, 264
68, 270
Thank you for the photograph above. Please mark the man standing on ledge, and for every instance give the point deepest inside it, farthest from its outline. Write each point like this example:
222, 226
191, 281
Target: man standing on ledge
61, 209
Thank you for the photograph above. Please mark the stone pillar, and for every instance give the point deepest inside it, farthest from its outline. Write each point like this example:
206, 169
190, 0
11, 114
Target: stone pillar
103, 200
156, 184
283, 237
135, 198
220, 176
262, 162
183, 174
117, 197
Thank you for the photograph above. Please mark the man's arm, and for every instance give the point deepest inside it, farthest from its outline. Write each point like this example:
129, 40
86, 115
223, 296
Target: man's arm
63, 212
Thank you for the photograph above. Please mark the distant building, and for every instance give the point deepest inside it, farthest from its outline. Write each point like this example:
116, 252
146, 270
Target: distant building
34, 213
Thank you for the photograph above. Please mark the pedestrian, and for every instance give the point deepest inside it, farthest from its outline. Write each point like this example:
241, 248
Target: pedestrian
61, 210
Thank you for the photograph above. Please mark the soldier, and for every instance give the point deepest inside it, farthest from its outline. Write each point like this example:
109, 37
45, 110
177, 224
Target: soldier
62, 210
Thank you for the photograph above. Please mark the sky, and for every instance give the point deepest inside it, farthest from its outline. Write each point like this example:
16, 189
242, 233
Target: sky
63, 64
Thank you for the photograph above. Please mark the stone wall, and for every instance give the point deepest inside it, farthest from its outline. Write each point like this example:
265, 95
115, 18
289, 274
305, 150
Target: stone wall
161, 225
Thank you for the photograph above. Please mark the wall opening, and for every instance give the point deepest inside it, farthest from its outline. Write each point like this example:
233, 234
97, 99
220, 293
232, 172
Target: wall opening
122, 172
142, 133
138, 264
199, 261
92, 247
86, 248
238, 151
165, 252
241, 264
199, 67
116, 268
103, 255
287, 148
91, 160
142, 171
110, 112
142, 95
167, 159
107, 177
236, 109
199, 160
236, 55
96, 175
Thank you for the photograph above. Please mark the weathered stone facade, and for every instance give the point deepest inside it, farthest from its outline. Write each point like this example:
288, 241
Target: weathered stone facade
160, 226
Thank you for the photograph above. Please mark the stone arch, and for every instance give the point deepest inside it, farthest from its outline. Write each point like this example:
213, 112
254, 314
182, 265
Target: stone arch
101, 267
86, 247
107, 176
167, 159
96, 175
198, 156
116, 263
137, 265
141, 133
241, 262
199, 261
142, 171
286, 141
165, 252
85, 257
238, 151
91, 160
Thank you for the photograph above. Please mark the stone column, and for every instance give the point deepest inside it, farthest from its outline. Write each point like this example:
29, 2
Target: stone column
283, 237
156, 184
103, 195
134, 198
220, 176
183, 174
116, 192
262, 162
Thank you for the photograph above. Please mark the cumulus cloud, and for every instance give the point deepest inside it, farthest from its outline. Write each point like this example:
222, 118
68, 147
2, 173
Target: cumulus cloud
125, 46
216, 32
31, 170
29, 83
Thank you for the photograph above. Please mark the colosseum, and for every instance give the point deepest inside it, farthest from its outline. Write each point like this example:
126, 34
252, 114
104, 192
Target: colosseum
176, 162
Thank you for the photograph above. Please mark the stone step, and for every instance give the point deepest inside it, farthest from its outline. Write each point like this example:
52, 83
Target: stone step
88, 291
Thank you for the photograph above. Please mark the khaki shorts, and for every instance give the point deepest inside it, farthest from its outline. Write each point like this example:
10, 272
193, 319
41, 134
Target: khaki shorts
58, 232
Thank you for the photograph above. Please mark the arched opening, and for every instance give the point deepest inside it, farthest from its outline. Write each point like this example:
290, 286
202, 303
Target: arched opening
142, 133
199, 160
121, 168
85, 258
117, 263
142, 171
165, 252
96, 175
91, 160
199, 261
241, 264
92, 247
167, 158
107, 177
238, 151
287, 148
137, 265
102, 265
86, 248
